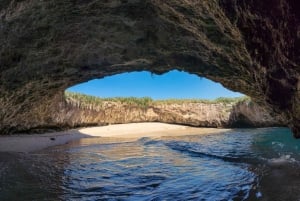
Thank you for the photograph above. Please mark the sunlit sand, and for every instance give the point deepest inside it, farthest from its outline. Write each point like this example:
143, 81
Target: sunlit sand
137, 130
29, 143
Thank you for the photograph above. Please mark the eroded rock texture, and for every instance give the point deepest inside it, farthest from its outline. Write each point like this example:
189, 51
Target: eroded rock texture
251, 46
243, 114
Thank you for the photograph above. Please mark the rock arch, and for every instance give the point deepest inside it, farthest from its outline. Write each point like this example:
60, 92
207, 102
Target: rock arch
46, 46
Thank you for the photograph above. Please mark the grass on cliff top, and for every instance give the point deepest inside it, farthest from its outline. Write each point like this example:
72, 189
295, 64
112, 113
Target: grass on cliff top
145, 101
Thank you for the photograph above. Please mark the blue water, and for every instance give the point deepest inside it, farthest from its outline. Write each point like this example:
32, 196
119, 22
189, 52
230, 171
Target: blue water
248, 164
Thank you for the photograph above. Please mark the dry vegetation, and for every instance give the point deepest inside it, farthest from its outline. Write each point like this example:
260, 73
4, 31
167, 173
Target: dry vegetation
87, 101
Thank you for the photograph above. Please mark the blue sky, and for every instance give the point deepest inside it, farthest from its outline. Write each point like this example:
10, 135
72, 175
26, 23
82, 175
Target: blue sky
173, 84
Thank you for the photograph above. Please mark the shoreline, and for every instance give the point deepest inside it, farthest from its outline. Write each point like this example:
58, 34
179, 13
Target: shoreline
132, 131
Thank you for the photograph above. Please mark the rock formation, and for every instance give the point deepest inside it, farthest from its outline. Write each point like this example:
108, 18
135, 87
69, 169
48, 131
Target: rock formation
75, 112
250, 46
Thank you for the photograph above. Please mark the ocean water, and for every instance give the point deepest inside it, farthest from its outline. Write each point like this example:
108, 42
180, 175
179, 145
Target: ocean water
244, 164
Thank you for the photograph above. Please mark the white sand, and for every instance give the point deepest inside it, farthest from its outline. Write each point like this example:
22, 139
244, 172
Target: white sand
138, 130
29, 143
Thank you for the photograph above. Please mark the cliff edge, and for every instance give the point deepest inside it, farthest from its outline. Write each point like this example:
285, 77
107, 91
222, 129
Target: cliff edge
81, 110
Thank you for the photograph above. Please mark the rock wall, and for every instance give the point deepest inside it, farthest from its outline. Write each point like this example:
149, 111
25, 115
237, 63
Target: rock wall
236, 115
250, 46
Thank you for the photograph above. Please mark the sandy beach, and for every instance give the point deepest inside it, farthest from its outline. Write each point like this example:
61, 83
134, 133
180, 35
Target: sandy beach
29, 143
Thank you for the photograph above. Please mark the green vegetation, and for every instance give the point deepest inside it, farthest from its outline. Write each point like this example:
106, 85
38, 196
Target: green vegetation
93, 100
86, 100
222, 100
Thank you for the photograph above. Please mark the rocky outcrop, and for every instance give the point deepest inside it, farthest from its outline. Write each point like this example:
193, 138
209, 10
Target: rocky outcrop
247, 114
250, 46
242, 114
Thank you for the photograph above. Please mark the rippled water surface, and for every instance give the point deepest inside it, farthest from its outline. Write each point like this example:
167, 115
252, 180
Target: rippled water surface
250, 164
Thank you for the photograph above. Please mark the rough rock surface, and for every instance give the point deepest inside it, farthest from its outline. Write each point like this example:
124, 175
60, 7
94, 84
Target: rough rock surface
250, 46
234, 115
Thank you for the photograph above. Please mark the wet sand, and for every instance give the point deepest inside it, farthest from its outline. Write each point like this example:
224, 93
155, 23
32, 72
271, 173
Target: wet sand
29, 143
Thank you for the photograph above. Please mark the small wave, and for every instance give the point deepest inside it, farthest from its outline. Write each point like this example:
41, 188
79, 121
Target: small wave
278, 144
198, 151
152, 142
144, 139
284, 159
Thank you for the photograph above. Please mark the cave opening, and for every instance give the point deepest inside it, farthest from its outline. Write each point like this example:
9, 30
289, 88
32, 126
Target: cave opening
171, 85
174, 97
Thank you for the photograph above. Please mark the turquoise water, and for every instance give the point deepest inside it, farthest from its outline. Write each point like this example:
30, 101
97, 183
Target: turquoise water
244, 164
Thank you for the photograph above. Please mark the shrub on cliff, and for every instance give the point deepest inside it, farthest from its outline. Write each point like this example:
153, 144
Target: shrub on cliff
86, 101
